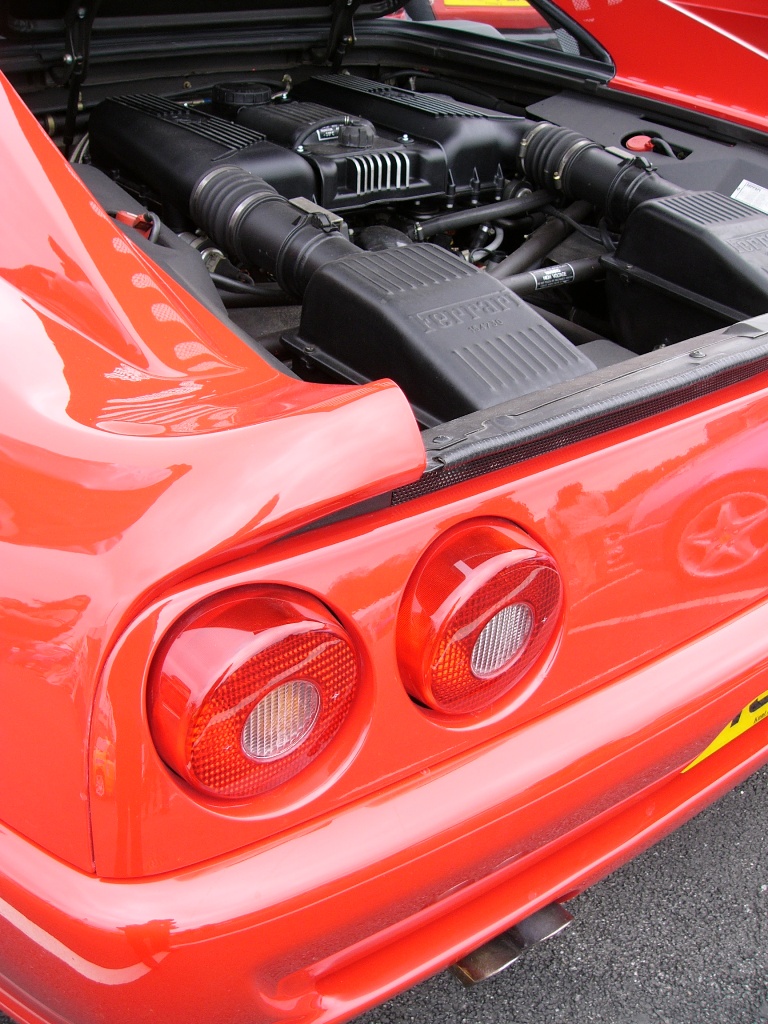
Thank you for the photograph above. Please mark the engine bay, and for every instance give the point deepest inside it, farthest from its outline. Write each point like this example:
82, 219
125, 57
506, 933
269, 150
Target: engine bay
356, 228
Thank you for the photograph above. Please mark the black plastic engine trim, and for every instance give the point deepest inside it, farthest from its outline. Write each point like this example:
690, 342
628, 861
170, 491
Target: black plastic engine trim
459, 464
478, 444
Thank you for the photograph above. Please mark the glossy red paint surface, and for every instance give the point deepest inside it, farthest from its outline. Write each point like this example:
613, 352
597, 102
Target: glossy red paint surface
130, 427
506, 15
628, 599
708, 56
318, 922
149, 462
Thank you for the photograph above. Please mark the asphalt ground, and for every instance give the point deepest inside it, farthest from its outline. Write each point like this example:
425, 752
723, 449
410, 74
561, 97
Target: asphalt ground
679, 936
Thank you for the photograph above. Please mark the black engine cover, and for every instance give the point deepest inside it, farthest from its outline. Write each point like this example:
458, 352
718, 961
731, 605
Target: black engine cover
344, 142
167, 147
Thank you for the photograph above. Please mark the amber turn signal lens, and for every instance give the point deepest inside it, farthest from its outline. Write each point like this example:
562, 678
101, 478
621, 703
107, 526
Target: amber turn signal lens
478, 612
249, 691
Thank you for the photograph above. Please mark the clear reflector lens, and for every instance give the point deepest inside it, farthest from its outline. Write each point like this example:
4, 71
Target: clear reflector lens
281, 721
502, 639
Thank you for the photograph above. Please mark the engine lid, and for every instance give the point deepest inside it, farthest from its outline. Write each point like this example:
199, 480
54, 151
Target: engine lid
656, 46
48, 18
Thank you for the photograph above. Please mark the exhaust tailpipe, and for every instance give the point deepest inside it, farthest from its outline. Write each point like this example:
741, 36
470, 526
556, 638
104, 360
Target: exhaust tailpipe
495, 956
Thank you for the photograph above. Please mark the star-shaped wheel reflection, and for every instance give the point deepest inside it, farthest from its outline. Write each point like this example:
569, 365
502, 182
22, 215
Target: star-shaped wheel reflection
726, 535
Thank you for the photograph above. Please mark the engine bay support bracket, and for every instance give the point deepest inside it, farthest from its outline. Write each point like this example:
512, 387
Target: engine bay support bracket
78, 24
342, 31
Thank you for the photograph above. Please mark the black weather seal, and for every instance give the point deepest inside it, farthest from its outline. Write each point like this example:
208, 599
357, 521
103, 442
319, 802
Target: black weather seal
475, 445
613, 397
553, 13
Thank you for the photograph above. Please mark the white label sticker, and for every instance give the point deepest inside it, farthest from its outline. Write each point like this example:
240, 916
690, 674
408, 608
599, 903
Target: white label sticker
551, 277
753, 195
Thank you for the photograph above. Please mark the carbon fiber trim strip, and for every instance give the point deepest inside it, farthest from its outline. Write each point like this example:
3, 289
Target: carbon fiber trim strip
473, 447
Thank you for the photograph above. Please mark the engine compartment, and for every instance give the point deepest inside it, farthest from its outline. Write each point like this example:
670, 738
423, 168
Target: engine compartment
356, 228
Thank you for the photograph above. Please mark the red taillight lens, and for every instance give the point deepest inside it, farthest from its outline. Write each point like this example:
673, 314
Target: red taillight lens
249, 691
478, 612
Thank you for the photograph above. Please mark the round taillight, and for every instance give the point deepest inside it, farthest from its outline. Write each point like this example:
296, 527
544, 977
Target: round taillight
250, 689
477, 615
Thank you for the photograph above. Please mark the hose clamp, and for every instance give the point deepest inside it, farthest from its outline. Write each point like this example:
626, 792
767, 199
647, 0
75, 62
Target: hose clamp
527, 138
203, 183
244, 207
568, 155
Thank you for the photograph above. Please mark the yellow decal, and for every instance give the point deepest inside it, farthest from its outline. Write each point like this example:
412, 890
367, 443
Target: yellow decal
486, 3
756, 712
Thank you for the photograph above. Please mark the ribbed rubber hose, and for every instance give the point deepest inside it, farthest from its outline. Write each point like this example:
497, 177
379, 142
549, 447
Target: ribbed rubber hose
247, 219
564, 161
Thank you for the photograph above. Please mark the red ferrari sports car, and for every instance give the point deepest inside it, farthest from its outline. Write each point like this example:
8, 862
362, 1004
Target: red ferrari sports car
383, 485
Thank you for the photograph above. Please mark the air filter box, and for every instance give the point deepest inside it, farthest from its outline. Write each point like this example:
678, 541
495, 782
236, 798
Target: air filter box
455, 339
687, 264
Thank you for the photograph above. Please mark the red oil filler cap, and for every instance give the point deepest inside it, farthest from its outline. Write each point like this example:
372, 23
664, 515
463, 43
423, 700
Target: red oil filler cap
639, 144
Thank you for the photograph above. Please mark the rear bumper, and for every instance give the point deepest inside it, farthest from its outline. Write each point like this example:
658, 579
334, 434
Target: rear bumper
320, 923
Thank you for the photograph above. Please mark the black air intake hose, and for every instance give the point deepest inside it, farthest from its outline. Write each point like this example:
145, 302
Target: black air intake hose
422, 230
540, 242
561, 160
247, 219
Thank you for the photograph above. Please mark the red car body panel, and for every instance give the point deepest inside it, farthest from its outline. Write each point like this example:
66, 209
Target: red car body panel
320, 922
104, 419
718, 70
145, 823
150, 460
